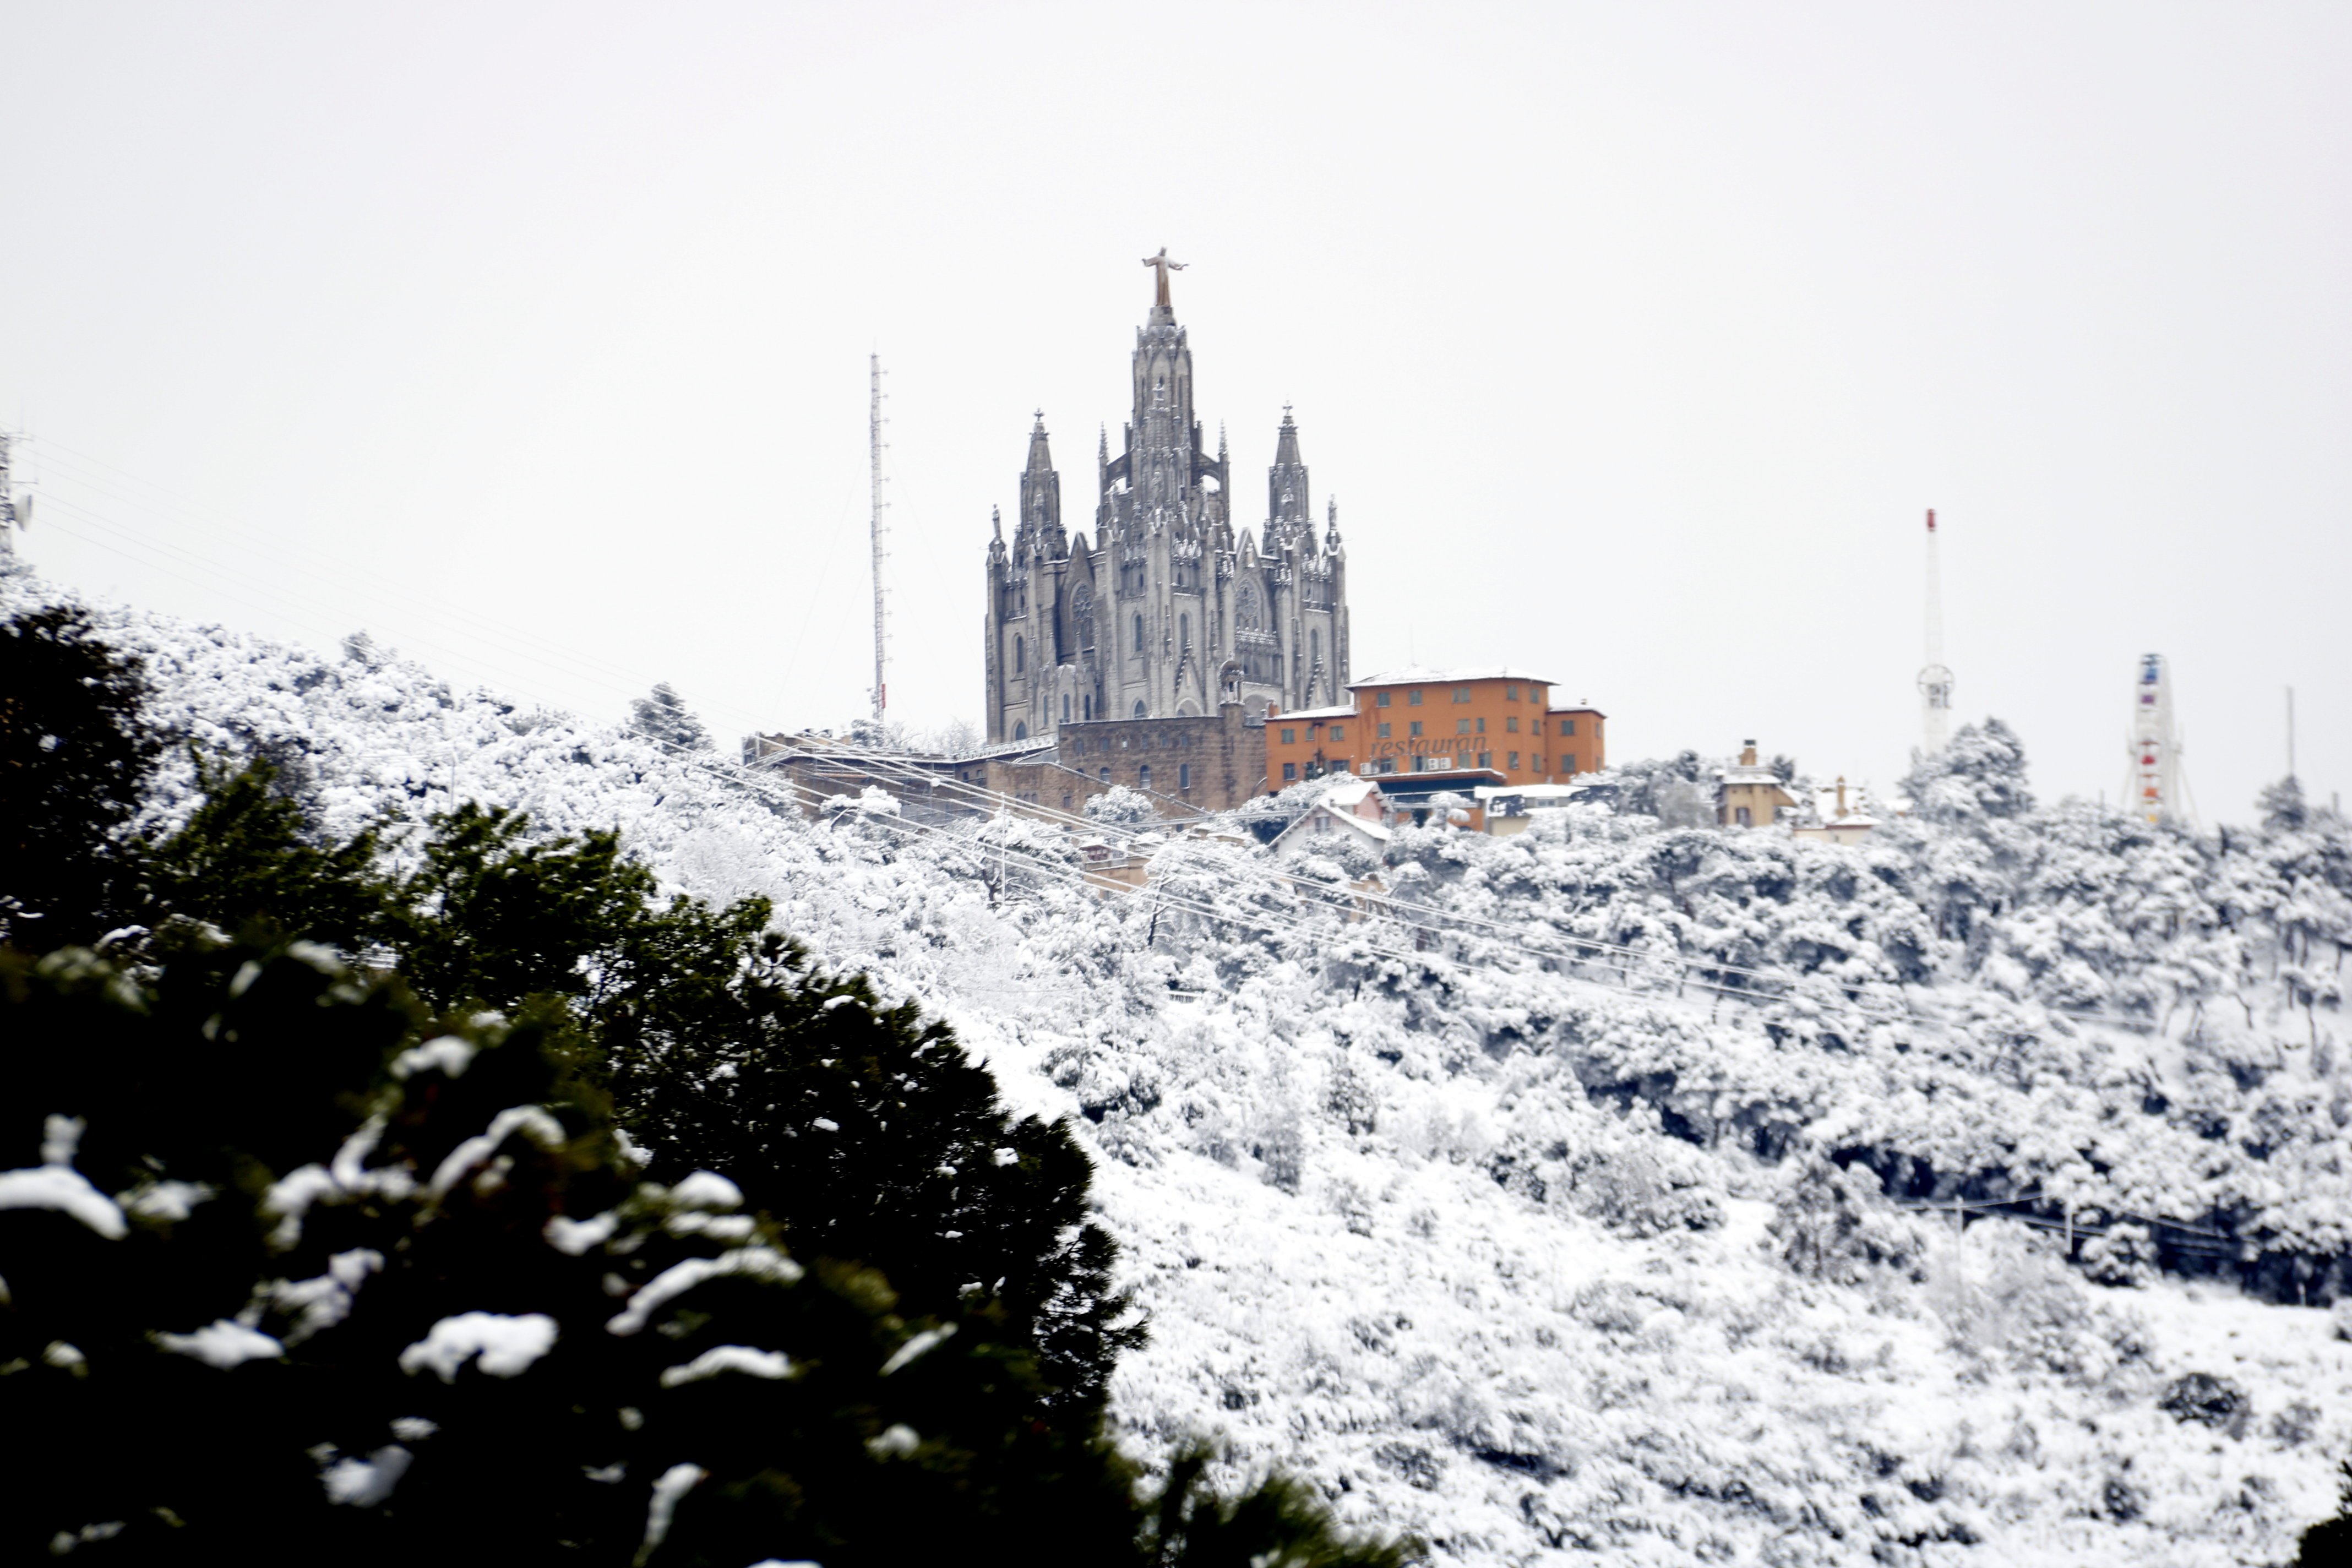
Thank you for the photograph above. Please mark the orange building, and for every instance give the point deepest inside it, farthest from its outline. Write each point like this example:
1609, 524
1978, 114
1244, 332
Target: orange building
1497, 721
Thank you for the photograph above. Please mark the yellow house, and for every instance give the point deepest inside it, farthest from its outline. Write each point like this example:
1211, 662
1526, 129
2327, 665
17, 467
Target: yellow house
1750, 795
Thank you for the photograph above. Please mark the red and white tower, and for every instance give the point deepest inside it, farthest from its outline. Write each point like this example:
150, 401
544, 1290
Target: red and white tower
1935, 679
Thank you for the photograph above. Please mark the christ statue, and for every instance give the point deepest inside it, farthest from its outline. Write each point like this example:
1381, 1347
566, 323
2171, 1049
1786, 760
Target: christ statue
1164, 265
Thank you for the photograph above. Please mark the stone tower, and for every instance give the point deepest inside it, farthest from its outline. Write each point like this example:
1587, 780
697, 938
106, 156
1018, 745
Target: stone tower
1173, 608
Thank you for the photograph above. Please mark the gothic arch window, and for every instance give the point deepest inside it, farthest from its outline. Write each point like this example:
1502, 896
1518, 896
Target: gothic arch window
1245, 610
1090, 710
1143, 775
1314, 646
1081, 608
1139, 708
1185, 631
1138, 634
1021, 730
1065, 706
1020, 655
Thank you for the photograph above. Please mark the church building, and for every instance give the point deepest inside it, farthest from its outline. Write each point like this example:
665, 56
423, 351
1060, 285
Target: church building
1173, 610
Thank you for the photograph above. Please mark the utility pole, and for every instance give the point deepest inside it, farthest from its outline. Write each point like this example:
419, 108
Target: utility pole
873, 443
2289, 731
1935, 679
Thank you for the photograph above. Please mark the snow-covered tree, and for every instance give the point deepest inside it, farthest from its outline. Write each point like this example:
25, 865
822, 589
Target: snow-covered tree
662, 716
1980, 773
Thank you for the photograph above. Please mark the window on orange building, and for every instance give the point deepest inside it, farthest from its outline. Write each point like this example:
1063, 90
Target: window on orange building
1515, 761
1290, 737
1461, 694
1339, 731
1482, 726
1414, 728
1413, 698
1289, 772
1379, 700
1511, 724
1384, 729
1568, 764
1568, 726
1510, 694
1462, 726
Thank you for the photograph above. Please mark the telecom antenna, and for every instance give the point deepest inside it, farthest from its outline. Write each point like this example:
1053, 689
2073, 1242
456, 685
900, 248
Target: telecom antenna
874, 444
2155, 788
1935, 679
16, 510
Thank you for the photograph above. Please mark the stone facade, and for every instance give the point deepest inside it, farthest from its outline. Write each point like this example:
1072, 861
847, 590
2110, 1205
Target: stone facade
1187, 765
1208, 763
1172, 610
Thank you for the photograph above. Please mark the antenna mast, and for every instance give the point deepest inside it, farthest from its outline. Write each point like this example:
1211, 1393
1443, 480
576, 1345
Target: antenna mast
1935, 679
873, 443
16, 510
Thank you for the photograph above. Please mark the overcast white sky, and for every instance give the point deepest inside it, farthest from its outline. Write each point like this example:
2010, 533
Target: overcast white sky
1634, 339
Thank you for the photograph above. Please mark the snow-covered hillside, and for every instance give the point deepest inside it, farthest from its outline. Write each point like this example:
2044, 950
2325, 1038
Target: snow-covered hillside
1538, 1249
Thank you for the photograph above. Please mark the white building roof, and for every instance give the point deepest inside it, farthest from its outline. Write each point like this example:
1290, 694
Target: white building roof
1531, 792
1377, 832
1416, 676
1279, 717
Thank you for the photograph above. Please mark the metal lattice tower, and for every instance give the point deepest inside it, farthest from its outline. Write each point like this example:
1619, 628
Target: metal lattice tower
2154, 788
1934, 679
873, 443
16, 510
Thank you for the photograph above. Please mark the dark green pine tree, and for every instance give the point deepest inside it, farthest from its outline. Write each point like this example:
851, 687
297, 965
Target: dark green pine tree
383, 1302
662, 716
250, 854
75, 755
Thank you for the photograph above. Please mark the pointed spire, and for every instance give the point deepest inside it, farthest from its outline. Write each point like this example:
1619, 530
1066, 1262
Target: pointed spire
1221, 441
1331, 532
1286, 501
1102, 448
1041, 459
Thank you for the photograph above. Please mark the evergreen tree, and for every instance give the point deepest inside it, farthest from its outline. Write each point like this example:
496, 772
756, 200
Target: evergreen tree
2282, 806
869, 1134
662, 716
75, 755
1979, 773
383, 1302
247, 854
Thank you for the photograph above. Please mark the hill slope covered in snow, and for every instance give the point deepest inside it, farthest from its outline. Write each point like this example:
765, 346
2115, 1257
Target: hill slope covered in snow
1599, 1195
